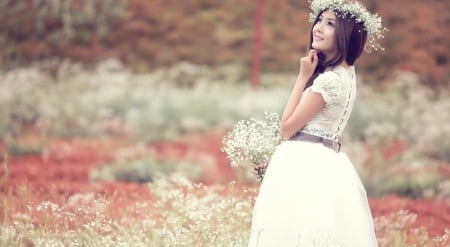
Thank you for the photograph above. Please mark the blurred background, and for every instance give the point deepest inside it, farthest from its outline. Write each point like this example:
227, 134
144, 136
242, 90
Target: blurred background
146, 35
105, 96
158, 71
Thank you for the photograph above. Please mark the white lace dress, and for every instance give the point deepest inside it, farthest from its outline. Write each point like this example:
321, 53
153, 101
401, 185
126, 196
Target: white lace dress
312, 196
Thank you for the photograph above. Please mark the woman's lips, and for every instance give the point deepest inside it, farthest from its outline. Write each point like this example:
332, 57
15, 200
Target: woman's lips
317, 38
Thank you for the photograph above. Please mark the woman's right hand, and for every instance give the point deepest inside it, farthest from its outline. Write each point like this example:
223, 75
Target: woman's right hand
308, 64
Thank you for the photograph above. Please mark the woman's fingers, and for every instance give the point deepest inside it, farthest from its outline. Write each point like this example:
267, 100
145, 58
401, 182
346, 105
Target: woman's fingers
309, 63
312, 56
315, 59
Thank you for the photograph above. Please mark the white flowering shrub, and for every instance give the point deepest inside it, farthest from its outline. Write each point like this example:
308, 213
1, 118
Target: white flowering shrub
395, 230
404, 110
180, 214
412, 116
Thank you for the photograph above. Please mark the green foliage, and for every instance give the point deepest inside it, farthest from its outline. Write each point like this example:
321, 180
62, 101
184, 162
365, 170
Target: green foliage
421, 184
61, 21
42, 29
145, 170
21, 149
146, 106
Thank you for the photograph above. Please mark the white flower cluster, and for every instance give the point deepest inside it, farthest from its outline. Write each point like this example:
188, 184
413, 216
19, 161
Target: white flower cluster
372, 22
252, 140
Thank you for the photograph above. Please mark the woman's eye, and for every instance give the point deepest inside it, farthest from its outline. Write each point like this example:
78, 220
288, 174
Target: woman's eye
331, 24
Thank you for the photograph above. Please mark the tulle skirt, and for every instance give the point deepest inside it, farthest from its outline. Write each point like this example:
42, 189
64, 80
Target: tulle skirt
311, 196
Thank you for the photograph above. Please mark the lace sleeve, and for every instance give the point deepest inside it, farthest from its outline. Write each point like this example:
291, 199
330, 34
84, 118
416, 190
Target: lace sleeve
329, 85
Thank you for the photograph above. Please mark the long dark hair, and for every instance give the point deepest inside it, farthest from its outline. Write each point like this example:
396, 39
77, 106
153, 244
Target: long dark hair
350, 39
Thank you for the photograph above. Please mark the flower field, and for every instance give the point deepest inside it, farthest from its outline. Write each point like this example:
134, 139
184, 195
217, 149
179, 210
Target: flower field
49, 200
111, 158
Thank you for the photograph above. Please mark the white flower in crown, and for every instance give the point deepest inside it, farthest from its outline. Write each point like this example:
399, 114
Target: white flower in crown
372, 22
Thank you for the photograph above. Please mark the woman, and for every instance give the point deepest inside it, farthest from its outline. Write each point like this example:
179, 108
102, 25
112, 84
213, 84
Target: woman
311, 194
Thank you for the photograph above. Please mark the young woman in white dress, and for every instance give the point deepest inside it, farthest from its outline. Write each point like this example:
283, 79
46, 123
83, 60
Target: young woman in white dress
311, 195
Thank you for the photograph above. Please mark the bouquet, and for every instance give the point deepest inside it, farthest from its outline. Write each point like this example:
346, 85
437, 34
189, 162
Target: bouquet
253, 141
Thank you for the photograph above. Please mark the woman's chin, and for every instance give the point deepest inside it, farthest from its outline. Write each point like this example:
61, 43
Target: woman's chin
315, 47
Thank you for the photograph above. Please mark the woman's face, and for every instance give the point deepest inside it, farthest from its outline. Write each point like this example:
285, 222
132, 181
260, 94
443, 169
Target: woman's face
324, 33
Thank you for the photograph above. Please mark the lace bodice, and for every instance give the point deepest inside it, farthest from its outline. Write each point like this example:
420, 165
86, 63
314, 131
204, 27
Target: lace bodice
338, 89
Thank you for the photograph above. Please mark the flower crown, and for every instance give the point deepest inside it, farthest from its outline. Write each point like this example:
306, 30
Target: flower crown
371, 22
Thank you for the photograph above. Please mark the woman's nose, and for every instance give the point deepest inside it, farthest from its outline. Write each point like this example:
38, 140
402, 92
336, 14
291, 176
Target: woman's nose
317, 30
319, 27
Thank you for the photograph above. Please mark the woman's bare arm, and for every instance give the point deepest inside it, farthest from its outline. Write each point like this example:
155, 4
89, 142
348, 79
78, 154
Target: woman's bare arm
310, 104
300, 109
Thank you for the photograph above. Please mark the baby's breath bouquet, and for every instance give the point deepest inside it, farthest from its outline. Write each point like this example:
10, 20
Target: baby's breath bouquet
253, 141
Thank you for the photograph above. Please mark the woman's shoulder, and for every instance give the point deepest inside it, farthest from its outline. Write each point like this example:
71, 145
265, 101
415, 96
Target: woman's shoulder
338, 73
329, 85
344, 70
328, 76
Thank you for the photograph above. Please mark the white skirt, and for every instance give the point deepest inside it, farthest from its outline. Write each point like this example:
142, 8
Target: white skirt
311, 196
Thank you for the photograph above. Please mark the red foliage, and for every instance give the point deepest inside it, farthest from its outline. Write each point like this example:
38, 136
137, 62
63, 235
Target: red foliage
394, 149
